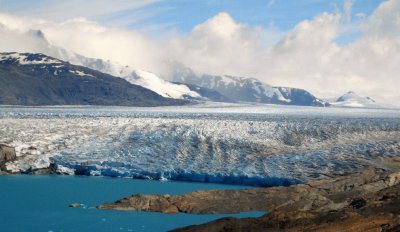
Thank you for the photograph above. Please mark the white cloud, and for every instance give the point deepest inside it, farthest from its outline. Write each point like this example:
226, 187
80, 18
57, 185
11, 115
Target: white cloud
385, 21
221, 45
347, 8
91, 39
271, 3
87, 38
307, 56
26, 41
360, 15
63, 10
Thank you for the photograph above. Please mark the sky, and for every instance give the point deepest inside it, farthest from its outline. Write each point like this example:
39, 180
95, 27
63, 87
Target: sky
326, 47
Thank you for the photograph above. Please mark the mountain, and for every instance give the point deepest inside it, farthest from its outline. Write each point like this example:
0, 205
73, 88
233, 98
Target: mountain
248, 89
134, 76
351, 99
37, 79
352, 96
206, 87
140, 77
185, 84
208, 94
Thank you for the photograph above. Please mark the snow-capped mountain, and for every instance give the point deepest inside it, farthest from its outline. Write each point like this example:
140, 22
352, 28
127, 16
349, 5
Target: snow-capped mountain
185, 84
135, 76
351, 99
37, 79
248, 89
132, 75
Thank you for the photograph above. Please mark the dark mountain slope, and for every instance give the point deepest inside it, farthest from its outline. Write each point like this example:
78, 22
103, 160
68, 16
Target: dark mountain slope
37, 79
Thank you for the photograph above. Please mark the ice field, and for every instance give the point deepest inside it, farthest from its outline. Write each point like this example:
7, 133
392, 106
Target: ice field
221, 143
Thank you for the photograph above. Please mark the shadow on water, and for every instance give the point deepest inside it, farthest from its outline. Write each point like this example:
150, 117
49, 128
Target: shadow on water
182, 175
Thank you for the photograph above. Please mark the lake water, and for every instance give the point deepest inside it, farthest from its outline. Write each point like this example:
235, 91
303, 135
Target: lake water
40, 203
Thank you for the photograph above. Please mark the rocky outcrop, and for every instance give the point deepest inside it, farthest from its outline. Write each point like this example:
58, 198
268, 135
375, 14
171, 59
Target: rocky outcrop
7, 154
379, 211
75, 205
52, 169
368, 201
320, 196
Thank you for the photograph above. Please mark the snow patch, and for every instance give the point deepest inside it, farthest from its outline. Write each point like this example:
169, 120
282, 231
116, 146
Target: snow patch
80, 73
160, 86
134, 76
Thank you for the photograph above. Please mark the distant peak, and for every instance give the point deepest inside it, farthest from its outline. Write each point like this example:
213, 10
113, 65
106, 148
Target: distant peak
351, 96
370, 99
37, 33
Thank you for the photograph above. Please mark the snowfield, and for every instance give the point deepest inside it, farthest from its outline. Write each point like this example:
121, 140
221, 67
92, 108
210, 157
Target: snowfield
225, 143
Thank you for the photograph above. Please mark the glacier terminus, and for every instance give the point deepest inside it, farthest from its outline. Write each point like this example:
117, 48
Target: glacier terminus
266, 145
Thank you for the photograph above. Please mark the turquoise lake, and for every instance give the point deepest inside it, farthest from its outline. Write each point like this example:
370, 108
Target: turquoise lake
40, 203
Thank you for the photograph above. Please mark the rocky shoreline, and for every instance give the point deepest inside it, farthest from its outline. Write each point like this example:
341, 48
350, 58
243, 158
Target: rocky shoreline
8, 154
367, 201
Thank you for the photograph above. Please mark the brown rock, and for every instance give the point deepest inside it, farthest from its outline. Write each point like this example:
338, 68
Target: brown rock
368, 201
396, 159
7, 154
75, 205
321, 195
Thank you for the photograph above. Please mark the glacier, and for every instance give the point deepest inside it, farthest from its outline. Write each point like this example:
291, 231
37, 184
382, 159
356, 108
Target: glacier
250, 144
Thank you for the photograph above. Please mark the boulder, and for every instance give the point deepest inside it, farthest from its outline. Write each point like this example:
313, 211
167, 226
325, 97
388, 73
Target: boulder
7, 154
75, 205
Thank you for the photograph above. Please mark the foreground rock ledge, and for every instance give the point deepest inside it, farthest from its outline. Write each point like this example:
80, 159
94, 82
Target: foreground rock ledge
368, 201
7, 154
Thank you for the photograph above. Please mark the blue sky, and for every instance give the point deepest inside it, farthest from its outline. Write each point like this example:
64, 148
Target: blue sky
284, 14
158, 16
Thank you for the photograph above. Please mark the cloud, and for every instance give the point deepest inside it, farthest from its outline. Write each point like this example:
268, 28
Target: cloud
360, 15
385, 21
93, 40
306, 56
309, 57
85, 37
64, 10
347, 8
271, 3
222, 45
31, 40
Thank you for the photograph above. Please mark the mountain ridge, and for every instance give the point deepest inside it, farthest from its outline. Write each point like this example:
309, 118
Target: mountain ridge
352, 99
38, 79
247, 89
244, 89
140, 77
